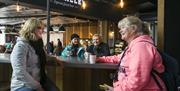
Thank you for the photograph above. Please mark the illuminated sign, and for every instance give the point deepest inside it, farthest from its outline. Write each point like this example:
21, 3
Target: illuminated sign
68, 3
74, 7
74, 1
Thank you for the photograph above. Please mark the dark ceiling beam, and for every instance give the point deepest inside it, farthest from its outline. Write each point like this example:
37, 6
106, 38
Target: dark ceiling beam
7, 1
148, 10
2, 5
27, 16
135, 2
105, 1
150, 16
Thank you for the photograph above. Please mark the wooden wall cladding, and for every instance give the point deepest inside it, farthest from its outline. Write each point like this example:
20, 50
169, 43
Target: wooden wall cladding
5, 77
84, 30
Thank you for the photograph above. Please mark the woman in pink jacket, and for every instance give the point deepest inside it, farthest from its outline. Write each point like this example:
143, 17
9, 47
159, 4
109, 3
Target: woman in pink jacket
140, 57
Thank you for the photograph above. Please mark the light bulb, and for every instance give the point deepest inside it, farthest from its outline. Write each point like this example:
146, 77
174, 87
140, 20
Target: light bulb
17, 7
121, 4
83, 4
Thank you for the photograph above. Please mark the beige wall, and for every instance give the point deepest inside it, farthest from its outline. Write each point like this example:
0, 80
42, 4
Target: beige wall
53, 37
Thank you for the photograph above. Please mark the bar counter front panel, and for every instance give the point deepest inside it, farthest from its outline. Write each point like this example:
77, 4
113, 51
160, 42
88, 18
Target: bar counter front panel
76, 74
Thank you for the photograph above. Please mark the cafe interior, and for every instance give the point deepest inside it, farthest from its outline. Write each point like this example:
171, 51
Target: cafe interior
85, 18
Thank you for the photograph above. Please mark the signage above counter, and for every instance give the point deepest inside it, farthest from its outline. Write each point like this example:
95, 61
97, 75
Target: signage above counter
68, 3
95, 10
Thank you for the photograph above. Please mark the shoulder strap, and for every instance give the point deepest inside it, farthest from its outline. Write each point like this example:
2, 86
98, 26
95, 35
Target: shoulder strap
122, 57
114, 76
153, 72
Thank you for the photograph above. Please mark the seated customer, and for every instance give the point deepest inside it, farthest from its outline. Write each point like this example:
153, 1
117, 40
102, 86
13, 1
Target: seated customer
98, 48
74, 48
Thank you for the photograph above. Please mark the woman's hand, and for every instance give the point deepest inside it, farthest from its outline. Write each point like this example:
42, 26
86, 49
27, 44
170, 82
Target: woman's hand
60, 61
106, 87
98, 59
53, 59
109, 88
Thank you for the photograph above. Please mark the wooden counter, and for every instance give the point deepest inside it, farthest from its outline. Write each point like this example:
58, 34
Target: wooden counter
75, 62
77, 74
5, 72
69, 62
4, 58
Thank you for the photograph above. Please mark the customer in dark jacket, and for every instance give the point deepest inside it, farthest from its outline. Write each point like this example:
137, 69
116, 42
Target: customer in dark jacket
98, 48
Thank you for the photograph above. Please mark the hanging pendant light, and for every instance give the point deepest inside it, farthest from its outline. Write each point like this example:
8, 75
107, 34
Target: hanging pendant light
121, 4
84, 5
17, 6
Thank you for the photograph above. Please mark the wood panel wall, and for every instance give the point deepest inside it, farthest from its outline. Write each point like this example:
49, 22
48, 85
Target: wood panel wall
5, 76
84, 30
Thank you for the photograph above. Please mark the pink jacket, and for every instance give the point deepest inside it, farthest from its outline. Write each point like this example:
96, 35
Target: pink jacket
139, 59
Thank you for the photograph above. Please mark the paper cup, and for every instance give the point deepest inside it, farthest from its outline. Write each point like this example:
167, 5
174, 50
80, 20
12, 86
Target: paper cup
86, 55
92, 59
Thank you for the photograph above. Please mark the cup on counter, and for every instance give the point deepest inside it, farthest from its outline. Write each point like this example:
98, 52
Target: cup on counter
86, 55
92, 59
69, 53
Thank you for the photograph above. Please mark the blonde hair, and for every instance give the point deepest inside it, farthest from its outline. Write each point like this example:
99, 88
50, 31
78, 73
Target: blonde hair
97, 35
133, 20
29, 28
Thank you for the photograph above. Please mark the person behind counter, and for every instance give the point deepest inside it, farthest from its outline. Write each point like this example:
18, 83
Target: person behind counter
58, 49
138, 59
74, 48
28, 60
98, 48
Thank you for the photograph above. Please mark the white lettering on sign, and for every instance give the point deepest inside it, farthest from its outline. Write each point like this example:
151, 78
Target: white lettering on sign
79, 2
68, 3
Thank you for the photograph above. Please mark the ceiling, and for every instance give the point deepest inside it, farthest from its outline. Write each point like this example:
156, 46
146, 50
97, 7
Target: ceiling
146, 9
140, 5
9, 16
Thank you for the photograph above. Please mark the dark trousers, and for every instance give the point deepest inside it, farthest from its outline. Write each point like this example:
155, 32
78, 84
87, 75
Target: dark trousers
50, 86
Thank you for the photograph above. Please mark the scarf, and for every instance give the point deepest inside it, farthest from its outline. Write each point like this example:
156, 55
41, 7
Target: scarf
38, 47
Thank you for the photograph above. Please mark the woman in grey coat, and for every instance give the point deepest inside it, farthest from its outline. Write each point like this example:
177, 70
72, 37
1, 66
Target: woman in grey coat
28, 58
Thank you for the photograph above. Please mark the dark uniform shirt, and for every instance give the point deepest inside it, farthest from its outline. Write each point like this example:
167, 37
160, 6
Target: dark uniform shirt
100, 50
